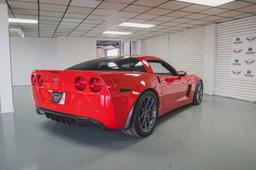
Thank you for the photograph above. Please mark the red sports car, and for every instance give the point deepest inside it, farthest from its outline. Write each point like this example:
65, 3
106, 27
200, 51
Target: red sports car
125, 93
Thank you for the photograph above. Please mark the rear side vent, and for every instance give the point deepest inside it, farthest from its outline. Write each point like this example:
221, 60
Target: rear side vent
188, 90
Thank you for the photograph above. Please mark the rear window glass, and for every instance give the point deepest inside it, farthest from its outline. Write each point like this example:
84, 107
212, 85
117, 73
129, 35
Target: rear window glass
120, 63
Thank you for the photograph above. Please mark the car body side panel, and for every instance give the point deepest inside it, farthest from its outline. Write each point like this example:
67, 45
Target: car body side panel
125, 89
177, 93
174, 91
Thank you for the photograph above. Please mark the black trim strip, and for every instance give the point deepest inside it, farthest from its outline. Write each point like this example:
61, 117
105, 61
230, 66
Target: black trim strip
125, 89
70, 119
159, 80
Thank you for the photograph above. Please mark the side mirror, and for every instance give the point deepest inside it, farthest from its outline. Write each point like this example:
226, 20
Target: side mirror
182, 73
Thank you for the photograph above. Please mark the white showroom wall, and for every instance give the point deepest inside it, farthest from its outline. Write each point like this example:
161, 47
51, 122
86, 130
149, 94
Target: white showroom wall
71, 51
28, 54
47, 53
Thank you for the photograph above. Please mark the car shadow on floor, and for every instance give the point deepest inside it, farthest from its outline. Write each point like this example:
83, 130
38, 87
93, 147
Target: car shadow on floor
113, 140
89, 136
172, 114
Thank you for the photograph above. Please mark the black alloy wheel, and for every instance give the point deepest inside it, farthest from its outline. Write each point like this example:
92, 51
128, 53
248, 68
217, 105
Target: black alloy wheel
145, 115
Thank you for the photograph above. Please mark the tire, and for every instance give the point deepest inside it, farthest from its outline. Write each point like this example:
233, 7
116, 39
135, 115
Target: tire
144, 116
198, 94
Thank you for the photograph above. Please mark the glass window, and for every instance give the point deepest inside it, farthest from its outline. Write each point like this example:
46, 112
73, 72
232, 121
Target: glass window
113, 52
119, 63
160, 67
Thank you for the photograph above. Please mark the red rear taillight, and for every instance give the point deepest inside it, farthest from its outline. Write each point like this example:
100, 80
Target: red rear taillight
40, 80
80, 83
95, 84
33, 79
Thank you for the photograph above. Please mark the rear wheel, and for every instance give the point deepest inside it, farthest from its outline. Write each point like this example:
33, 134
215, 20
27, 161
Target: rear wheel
145, 115
198, 95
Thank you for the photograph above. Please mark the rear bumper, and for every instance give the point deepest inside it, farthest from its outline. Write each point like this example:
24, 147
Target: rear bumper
70, 119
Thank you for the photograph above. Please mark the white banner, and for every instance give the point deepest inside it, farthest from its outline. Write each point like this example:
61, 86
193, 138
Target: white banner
243, 61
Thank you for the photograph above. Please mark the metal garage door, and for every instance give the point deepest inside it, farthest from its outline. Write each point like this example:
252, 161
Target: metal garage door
187, 50
225, 85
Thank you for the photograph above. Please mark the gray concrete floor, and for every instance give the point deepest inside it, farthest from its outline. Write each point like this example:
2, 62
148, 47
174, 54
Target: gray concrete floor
220, 134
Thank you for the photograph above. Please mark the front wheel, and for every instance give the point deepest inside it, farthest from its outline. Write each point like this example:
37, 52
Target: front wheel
198, 95
145, 115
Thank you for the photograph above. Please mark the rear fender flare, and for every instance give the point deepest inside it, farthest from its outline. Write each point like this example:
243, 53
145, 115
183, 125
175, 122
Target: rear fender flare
130, 115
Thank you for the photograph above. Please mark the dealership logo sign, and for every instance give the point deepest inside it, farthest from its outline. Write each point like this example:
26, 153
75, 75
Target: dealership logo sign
236, 63
249, 73
251, 39
238, 41
237, 50
243, 57
249, 61
250, 51
236, 72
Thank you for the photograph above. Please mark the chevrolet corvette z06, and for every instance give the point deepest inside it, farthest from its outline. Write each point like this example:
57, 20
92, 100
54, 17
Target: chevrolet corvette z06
121, 93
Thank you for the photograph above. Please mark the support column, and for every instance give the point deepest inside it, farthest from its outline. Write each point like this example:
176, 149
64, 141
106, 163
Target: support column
210, 59
9, 142
6, 98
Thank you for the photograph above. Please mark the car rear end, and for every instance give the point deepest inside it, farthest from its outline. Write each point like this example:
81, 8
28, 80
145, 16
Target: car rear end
74, 97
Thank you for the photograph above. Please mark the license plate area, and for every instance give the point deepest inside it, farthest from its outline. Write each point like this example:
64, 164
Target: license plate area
58, 97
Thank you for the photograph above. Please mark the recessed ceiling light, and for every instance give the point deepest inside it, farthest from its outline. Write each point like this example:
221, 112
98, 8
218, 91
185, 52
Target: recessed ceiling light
24, 21
117, 33
208, 2
136, 25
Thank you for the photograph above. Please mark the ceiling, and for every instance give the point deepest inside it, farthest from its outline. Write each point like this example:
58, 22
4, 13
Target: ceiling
89, 18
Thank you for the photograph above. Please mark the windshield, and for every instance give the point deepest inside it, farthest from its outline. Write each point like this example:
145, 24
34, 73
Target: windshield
120, 63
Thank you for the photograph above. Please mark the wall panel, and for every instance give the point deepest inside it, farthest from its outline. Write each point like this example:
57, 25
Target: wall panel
225, 84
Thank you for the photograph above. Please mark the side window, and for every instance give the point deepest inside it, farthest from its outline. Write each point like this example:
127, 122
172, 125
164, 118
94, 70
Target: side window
160, 68
139, 67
